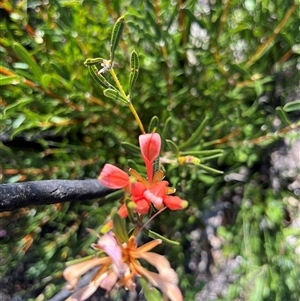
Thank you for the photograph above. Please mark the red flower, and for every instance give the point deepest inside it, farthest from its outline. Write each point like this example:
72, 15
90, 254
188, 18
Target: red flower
156, 193
114, 177
175, 202
143, 192
150, 148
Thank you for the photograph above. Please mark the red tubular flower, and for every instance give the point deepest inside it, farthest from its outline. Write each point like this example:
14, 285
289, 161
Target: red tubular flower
175, 202
150, 148
113, 177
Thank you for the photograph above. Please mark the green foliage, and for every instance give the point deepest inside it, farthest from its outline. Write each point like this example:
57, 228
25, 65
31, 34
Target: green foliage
292, 106
150, 293
115, 36
267, 251
210, 75
134, 70
120, 228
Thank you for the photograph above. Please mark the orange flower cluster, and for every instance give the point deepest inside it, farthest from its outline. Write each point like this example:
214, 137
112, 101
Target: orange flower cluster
143, 192
120, 266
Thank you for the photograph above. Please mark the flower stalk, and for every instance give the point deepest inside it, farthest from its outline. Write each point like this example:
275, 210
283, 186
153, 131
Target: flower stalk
130, 105
117, 256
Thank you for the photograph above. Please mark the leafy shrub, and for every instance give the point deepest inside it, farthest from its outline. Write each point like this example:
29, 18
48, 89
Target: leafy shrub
230, 67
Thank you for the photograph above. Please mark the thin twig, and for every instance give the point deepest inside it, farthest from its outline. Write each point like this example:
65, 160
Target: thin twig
260, 51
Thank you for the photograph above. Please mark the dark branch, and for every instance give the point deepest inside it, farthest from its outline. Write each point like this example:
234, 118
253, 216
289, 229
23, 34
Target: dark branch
14, 196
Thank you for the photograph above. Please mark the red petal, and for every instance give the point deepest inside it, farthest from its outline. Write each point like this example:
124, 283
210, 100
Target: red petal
174, 202
156, 193
123, 211
159, 189
142, 206
150, 147
137, 189
113, 177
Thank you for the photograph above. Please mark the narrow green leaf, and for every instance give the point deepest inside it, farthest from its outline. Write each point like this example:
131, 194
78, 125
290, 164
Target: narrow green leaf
10, 80
62, 81
209, 180
5, 41
114, 196
195, 138
173, 147
29, 60
150, 293
115, 36
292, 106
202, 152
210, 169
115, 95
153, 124
291, 231
134, 60
134, 70
241, 69
165, 133
155, 235
100, 79
18, 104
95, 61
120, 227
132, 164
151, 18
131, 148
58, 119
82, 259
46, 80
25, 74
211, 157
59, 70
192, 17
282, 115
258, 87
22, 128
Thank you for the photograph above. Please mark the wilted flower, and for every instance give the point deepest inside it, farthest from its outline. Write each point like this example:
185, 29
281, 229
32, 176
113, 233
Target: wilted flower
143, 192
120, 268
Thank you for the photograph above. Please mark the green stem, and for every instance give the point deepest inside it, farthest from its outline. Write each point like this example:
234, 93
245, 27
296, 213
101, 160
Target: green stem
116, 80
138, 227
131, 107
137, 118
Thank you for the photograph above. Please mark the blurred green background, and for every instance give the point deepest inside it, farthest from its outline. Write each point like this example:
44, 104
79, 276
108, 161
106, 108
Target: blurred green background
234, 62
